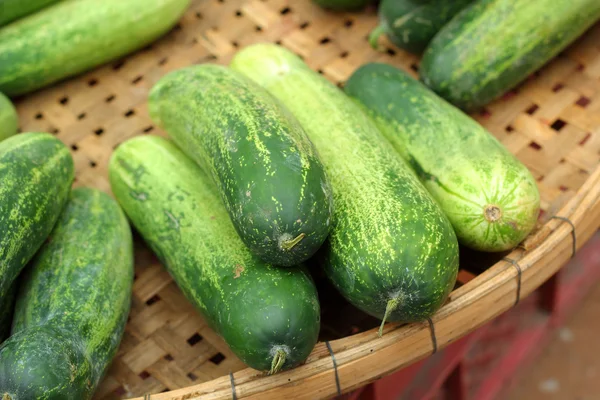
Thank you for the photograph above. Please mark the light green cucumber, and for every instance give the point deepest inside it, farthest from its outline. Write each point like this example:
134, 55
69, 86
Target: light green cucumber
489, 196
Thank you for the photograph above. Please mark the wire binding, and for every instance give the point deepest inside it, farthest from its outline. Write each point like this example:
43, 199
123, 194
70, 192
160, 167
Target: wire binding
337, 377
519, 276
573, 234
433, 336
233, 394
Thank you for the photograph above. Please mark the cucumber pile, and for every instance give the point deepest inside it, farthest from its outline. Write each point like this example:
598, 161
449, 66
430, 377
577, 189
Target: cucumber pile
268, 167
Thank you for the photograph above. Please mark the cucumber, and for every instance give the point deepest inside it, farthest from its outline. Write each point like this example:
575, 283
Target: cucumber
76, 35
343, 5
11, 10
493, 45
490, 198
9, 121
268, 316
72, 305
6, 312
36, 172
411, 24
267, 170
391, 252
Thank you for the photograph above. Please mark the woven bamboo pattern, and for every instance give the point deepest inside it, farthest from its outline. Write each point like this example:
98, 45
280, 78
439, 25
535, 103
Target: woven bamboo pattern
551, 123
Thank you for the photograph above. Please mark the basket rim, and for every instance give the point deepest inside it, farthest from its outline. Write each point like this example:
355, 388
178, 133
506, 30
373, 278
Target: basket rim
364, 357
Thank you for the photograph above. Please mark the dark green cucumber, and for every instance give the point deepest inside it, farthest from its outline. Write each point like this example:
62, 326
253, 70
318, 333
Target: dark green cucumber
267, 170
411, 24
391, 252
6, 312
76, 35
72, 305
343, 5
11, 10
493, 45
269, 316
9, 121
36, 172
489, 196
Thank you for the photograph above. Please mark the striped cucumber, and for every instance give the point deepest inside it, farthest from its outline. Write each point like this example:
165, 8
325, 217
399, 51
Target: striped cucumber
391, 252
36, 172
76, 35
11, 10
267, 170
489, 196
492, 45
411, 24
9, 121
268, 316
72, 304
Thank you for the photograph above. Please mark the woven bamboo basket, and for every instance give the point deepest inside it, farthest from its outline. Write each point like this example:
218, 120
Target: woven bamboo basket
551, 123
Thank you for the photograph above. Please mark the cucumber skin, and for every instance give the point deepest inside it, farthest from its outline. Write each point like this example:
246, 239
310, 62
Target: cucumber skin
268, 173
493, 45
76, 35
411, 24
72, 304
9, 121
255, 307
389, 239
11, 10
36, 173
462, 165
342, 5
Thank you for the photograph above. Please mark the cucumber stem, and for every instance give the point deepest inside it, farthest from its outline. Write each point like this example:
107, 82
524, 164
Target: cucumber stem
6, 396
374, 36
278, 361
289, 244
392, 304
492, 213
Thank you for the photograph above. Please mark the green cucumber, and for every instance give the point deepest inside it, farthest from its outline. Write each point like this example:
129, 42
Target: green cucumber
391, 252
76, 35
267, 170
490, 198
493, 45
6, 312
343, 5
268, 316
72, 305
9, 121
11, 10
411, 24
36, 172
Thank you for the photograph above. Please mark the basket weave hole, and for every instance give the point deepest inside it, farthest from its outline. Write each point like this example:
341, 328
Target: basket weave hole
217, 358
583, 101
144, 375
195, 338
532, 109
558, 124
152, 300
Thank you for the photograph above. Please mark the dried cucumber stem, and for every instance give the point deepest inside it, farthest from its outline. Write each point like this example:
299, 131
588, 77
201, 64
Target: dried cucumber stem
289, 244
392, 304
492, 213
278, 361
374, 36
